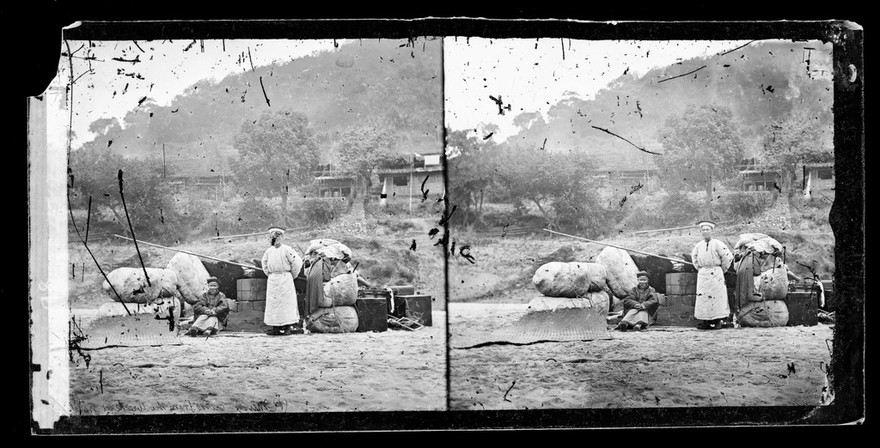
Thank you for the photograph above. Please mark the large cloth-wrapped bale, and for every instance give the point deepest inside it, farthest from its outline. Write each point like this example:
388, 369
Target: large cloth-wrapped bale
191, 276
769, 313
621, 270
757, 242
747, 238
773, 284
597, 300
575, 279
329, 248
132, 287
118, 309
341, 290
339, 319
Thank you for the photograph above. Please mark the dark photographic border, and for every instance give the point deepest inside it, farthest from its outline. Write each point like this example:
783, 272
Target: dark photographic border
847, 219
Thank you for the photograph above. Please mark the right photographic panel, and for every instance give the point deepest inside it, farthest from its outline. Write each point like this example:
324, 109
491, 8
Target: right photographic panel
640, 223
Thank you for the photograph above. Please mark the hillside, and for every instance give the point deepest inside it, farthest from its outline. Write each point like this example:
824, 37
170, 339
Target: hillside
759, 83
397, 81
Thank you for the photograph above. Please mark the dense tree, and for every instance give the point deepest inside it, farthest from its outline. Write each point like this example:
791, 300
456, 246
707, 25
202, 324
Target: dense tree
363, 147
701, 146
148, 198
798, 138
470, 164
558, 184
277, 152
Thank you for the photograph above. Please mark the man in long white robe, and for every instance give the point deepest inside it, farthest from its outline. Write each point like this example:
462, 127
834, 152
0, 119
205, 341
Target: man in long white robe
711, 258
281, 264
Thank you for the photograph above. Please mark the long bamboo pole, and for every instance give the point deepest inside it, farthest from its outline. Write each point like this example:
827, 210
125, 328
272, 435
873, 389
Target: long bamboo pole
620, 247
192, 253
254, 234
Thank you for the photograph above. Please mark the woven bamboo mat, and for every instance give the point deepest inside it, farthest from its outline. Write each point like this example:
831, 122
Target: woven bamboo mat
125, 331
560, 325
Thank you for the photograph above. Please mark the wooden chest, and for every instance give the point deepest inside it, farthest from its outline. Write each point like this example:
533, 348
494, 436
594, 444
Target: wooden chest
803, 308
372, 313
415, 307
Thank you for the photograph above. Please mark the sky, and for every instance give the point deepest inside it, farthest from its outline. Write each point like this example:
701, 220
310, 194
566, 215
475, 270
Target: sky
164, 70
531, 75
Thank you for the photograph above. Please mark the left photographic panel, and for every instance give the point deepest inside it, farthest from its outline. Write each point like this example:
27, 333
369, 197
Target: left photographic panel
239, 226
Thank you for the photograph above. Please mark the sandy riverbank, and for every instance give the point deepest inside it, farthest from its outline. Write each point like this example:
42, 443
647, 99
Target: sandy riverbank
661, 367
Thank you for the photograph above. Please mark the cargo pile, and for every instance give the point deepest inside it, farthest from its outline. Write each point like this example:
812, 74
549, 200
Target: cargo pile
766, 305
575, 280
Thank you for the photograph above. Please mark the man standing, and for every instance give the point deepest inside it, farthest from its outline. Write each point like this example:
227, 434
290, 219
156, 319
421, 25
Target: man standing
711, 258
281, 264
210, 310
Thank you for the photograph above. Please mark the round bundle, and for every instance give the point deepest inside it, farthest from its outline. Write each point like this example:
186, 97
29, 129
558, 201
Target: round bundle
341, 290
622, 270
773, 284
132, 287
758, 242
329, 248
192, 277
769, 313
339, 319
575, 279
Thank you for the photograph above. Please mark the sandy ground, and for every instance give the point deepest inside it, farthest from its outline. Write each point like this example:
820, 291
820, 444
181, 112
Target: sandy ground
251, 372
661, 367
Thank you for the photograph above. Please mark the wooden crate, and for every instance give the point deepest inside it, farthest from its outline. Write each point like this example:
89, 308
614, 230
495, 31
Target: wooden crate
681, 283
803, 308
372, 314
251, 289
415, 307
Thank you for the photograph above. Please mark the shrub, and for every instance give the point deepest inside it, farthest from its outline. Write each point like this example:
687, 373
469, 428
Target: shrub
320, 211
744, 204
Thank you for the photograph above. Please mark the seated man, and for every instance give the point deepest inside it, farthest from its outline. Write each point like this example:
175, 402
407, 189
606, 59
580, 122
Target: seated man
210, 311
639, 305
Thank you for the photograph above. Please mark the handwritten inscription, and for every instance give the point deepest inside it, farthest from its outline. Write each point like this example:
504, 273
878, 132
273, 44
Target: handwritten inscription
187, 406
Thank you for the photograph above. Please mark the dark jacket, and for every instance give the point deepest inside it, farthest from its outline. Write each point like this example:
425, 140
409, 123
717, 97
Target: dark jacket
647, 297
208, 302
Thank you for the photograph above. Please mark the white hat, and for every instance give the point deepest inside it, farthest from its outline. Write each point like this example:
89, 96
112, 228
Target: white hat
706, 222
276, 229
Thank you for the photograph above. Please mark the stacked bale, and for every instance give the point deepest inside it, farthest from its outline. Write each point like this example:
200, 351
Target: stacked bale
598, 300
586, 283
132, 286
575, 279
769, 313
622, 270
160, 294
336, 312
768, 308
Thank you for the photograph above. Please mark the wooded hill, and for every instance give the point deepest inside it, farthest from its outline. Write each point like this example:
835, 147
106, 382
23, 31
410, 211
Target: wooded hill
759, 83
398, 81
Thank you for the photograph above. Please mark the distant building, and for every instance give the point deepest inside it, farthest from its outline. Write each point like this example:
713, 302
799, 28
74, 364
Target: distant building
758, 180
817, 177
812, 177
335, 185
425, 173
